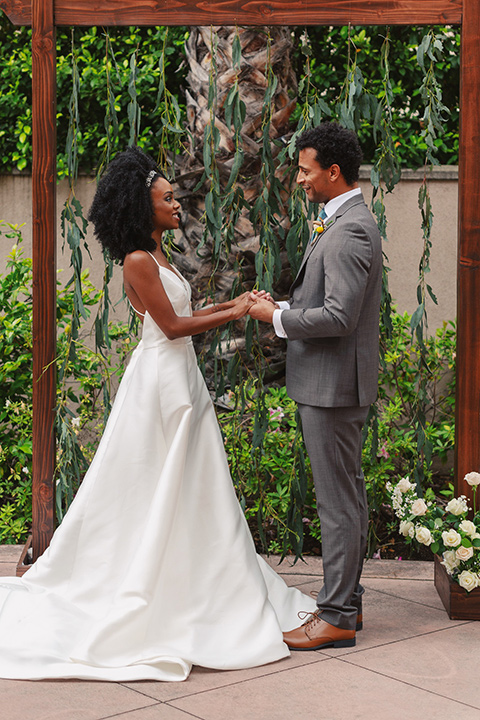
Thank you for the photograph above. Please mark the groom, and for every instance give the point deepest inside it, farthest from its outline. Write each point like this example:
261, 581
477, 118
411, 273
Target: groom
331, 322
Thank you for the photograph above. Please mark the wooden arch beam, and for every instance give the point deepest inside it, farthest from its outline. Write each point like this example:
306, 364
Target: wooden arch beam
249, 12
45, 15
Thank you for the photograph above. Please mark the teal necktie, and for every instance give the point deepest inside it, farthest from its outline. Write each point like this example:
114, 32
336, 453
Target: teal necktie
315, 234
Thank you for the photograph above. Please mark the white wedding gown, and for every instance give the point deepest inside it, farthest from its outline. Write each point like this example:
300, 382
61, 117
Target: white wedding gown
153, 569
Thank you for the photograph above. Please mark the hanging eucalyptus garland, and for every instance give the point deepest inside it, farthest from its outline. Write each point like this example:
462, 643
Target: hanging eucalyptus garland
245, 180
428, 53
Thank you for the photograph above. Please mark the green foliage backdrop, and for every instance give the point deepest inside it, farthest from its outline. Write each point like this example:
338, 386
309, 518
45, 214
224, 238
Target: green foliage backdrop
331, 54
126, 87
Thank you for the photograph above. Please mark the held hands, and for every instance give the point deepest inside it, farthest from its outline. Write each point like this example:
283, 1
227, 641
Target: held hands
238, 306
264, 306
263, 310
241, 305
258, 303
263, 295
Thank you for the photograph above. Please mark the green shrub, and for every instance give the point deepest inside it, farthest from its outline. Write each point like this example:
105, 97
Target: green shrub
390, 449
90, 44
265, 473
15, 397
328, 67
82, 393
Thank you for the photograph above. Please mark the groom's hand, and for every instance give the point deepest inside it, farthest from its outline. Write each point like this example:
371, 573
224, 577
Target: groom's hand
262, 310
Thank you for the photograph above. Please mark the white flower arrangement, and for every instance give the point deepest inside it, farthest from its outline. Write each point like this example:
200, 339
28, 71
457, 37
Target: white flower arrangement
445, 530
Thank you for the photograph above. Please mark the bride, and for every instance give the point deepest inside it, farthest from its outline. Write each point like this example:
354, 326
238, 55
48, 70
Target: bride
153, 569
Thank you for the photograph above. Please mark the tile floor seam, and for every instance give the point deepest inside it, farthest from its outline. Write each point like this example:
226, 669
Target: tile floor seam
313, 579
126, 712
408, 684
379, 576
147, 707
171, 705
416, 602
247, 680
301, 584
395, 642
139, 692
366, 578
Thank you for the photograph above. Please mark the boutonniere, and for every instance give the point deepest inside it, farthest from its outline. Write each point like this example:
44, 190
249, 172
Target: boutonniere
319, 226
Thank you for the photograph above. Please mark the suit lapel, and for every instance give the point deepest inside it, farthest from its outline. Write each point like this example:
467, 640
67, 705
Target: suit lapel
311, 246
330, 223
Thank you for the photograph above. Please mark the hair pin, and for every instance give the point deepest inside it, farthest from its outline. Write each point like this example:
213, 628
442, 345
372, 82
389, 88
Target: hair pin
150, 177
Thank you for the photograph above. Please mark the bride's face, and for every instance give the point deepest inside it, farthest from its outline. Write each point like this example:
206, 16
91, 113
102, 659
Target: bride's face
166, 210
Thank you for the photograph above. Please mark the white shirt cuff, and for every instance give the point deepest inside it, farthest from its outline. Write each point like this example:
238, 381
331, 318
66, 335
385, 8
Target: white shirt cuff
277, 320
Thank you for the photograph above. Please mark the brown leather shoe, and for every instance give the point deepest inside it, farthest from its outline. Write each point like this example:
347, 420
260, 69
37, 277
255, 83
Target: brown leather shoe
316, 634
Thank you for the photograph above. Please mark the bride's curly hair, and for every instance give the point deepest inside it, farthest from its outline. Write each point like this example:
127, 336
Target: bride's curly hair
121, 210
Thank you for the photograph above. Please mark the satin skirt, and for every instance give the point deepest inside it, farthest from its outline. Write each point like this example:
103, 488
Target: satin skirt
153, 569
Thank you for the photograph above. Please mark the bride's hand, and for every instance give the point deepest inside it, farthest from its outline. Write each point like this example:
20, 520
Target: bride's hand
240, 298
232, 303
242, 305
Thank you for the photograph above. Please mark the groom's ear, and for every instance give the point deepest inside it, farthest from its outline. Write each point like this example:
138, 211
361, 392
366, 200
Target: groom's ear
335, 173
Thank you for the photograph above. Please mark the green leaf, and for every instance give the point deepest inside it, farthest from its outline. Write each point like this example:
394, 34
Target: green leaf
236, 51
417, 316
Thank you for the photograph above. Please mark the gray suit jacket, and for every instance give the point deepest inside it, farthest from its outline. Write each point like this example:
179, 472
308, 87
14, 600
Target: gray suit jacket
333, 322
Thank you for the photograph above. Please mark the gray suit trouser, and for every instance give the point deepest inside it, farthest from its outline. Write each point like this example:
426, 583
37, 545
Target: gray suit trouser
333, 439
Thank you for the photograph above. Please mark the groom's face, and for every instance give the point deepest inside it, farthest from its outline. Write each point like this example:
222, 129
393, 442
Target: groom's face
315, 180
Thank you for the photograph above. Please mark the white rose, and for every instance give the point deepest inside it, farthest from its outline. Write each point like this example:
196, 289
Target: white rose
450, 561
451, 538
468, 527
419, 507
405, 527
457, 506
404, 485
464, 553
473, 478
423, 535
468, 580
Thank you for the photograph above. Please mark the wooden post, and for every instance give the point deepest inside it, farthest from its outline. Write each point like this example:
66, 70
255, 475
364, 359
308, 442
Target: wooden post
44, 181
467, 427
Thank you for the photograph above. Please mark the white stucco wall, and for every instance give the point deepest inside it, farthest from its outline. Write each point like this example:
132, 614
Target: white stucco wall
403, 249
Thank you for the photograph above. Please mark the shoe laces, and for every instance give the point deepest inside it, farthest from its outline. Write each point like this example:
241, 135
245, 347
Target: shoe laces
309, 618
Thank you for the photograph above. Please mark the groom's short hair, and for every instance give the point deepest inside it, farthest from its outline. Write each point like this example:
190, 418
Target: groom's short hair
334, 144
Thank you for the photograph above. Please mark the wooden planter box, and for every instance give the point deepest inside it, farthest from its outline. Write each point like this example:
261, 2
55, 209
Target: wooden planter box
459, 604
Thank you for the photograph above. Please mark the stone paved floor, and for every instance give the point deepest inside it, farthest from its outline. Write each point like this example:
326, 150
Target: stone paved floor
411, 662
